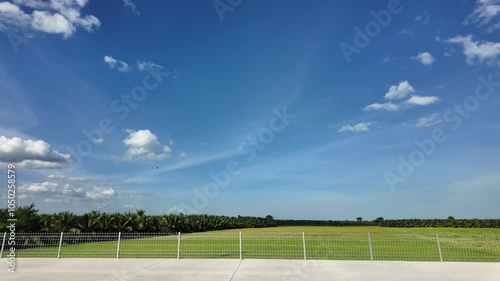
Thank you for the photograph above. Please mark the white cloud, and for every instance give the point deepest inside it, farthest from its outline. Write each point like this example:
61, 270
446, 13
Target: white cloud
175, 210
422, 100
129, 4
145, 65
360, 127
385, 106
428, 121
399, 91
388, 59
52, 23
71, 190
407, 32
31, 154
54, 17
402, 90
144, 145
484, 13
99, 192
425, 18
129, 206
424, 58
483, 51
112, 63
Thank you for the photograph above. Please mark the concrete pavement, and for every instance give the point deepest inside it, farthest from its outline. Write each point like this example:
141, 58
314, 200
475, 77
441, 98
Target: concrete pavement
246, 270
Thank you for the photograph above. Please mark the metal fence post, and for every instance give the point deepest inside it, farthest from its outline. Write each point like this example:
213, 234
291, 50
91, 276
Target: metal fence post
370, 244
304, 245
179, 246
241, 248
60, 245
439, 248
3, 244
118, 246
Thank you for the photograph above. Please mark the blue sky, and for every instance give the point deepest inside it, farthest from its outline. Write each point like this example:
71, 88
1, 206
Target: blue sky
298, 109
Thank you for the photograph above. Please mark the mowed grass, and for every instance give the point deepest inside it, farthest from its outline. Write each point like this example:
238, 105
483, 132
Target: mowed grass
321, 243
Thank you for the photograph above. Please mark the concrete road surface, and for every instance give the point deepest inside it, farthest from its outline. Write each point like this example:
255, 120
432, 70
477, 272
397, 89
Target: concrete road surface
246, 270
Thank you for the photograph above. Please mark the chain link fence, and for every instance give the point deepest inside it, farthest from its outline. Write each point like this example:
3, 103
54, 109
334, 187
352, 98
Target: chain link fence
255, 245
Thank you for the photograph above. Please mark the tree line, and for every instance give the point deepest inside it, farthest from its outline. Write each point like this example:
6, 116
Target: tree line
29, 220
449, 223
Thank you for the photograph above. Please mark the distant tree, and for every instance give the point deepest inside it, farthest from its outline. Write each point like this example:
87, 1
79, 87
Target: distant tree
379, 220
28, 219
451, 218
359, 219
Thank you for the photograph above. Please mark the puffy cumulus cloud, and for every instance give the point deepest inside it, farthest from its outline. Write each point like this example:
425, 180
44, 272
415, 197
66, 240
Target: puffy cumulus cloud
144, 145
424, 58
422, 100
399, 91
360, 127
483, 51
112, 63
99, 192
402, 90
428, 121
31, 154
484, 14
52, 23
54, 17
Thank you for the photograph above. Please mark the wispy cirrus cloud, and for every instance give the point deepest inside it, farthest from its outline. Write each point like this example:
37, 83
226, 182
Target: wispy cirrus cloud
131, 5
484, 14
359, 127
428, 121
406, 32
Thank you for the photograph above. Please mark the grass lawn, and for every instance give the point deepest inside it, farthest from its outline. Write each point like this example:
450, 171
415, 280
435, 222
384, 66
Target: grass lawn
325, 243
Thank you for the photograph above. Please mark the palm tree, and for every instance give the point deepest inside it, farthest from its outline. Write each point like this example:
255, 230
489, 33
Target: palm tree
89, 222
46, 223
65, 222
122, 223
106, 222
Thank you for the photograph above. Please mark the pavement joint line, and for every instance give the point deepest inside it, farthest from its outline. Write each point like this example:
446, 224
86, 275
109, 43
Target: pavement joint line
130, 273
234, 273
339, 273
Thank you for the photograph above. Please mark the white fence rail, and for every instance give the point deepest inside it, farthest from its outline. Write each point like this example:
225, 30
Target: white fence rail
255, 245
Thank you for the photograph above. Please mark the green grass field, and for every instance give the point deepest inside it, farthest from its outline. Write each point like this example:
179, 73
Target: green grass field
322, 243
